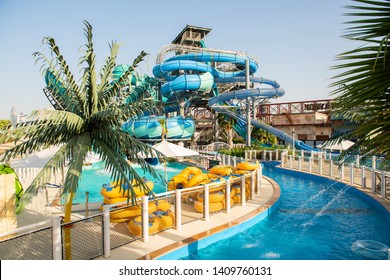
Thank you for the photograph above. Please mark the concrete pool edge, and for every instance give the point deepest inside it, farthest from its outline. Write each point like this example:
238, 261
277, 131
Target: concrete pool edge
200, 240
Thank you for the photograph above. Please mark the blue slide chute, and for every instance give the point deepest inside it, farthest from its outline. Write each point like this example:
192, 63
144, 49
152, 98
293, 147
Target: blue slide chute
193, 72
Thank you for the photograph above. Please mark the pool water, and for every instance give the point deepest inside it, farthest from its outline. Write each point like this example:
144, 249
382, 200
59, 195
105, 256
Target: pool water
317, 219
94, 176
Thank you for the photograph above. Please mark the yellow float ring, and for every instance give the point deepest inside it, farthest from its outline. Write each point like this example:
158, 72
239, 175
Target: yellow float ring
221, 170
166, 219
114, 200
135, 226
163, 205
217, 196
191, 170
177, 179
130, 212
197, 180
240, 172
213, 206
115, 190
245, 165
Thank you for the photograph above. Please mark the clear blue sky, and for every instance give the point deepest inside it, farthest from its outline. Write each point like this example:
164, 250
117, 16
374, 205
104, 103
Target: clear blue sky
295, 41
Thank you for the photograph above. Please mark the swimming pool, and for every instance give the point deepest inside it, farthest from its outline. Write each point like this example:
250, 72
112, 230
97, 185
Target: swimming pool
94, 176
316, 219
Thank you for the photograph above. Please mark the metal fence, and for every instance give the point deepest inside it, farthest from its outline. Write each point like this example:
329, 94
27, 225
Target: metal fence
353, 173
35, 244
83, 239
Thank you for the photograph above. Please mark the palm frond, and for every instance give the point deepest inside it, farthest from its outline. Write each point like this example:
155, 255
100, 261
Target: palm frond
362, 89
78, 152
106, 71
55, 164
122, 81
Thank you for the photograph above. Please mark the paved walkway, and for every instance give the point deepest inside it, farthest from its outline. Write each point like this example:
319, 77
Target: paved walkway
172, 239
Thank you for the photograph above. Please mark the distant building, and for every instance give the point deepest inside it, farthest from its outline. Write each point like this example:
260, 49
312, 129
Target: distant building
13, 116
16, 118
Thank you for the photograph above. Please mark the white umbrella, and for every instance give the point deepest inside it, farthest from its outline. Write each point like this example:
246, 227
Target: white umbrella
39, 159
171, 150
342, 146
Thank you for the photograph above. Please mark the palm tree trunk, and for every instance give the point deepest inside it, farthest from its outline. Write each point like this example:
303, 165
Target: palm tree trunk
230, 133
67, 237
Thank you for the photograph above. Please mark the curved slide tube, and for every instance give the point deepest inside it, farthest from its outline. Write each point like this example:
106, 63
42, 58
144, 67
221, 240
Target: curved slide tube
205, 78
151, 128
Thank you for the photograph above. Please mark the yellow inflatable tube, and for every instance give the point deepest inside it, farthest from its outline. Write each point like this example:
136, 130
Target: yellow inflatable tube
115, 190
245, 165
221, 170
135, 226
166, 219
213, 206
197, 180
125, 214
177, 179
190, 170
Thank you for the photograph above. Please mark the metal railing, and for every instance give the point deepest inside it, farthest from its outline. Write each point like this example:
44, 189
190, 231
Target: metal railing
353, 173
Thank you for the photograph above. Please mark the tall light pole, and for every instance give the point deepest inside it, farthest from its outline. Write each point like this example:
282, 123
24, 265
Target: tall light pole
248, 106
293, 142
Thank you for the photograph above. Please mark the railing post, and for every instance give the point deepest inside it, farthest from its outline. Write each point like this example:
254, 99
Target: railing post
342, 172
320, 165
264, 157
270, 155
253, 185
362, 182
310, 164
206, 204
178, 209
106, 231
234, 161
331, 168
383, 185
245, 154
373, 179
243, 190
145, 219
229, 160
227, 197
299, 163
373, 162
351, 177
56, 235
388, 254
290, 161
259, 178
357, 160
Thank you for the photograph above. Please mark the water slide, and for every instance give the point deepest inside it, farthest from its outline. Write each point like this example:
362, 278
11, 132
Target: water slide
197, 74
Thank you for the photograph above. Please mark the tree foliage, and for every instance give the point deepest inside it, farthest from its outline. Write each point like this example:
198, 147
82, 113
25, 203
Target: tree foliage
94, 109
362, 88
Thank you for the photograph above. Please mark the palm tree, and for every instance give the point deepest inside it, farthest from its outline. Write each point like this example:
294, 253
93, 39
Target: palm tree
91, 120
363, 89
226, 125
263, 137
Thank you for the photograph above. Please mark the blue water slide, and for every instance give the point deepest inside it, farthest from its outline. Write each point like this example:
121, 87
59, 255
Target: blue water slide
192, 72
243, 94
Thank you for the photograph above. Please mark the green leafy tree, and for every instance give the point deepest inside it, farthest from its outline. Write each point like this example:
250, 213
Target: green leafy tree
93, 112
4, 123
226, 125
264, 137
362, 88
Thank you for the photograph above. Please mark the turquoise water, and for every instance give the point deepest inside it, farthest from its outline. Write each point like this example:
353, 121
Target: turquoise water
317, 219
93, 177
